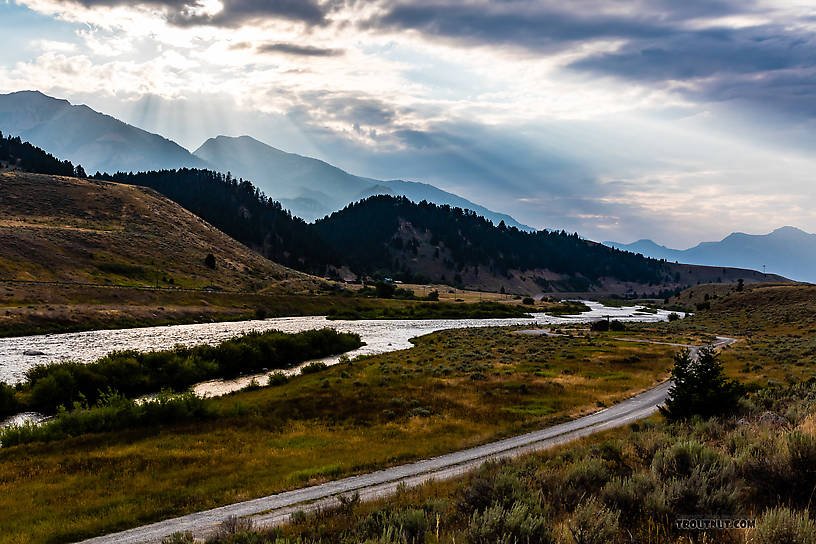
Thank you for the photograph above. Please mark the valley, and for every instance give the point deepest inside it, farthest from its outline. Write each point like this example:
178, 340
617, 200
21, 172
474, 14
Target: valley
384, 334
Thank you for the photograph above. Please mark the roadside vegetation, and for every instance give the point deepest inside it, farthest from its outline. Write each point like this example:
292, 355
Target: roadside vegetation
454, 389
623, 486
131, 374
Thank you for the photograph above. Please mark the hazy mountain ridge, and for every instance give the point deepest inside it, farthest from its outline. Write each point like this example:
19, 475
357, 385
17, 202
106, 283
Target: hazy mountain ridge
787, 251
87, 137
312, 188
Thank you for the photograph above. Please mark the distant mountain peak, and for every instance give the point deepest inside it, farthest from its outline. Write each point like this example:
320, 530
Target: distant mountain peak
787, 251
87, 137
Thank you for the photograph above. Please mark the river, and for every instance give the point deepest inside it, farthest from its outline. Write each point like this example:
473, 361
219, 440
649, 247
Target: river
18, 354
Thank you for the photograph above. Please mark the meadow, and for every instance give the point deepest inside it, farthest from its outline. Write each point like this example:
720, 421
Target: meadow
442, 395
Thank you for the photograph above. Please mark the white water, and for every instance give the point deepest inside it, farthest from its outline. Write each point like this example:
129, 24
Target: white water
380, 336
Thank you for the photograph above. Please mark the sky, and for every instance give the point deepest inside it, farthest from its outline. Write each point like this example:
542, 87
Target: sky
619, 119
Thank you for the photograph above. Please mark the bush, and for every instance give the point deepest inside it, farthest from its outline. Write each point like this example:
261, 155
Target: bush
497, 525
312, 368
8, 401
673, 316
277, 378
593, 524
112, 412
180, 538
784, 526
528, 301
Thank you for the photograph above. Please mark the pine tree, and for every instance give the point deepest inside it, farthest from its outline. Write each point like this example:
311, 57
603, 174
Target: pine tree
700, 387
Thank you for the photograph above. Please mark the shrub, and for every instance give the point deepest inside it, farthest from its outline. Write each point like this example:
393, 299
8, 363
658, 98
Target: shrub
134, 373
312, 368
112, 412
784, 526
277, 378
627, 495
673, 316
497, 525
8, 400
528, 301
180, 538
593, 524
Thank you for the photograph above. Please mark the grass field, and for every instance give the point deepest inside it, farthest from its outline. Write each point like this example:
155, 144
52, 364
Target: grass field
455, 389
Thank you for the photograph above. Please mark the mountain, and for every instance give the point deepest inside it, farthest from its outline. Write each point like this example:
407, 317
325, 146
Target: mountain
312, 188
423, 242
83, 136
787, 251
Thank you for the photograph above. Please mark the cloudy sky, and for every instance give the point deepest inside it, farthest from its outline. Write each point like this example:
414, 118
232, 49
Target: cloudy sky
619, 119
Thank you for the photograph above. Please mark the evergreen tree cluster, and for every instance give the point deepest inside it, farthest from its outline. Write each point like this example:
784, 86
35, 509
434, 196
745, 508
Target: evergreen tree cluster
19, 154
700, 387
366, 233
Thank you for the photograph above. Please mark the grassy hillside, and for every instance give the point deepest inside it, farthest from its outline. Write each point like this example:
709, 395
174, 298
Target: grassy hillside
75, 230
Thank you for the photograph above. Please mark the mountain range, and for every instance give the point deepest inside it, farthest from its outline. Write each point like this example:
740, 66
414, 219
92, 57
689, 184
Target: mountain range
308, 187
786, 251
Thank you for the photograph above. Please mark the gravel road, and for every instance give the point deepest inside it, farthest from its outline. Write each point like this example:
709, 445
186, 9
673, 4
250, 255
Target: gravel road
276, 509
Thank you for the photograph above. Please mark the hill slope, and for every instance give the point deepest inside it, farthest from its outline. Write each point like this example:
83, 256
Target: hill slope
787, 251
312, 188
96, 141
93, 231
394, 237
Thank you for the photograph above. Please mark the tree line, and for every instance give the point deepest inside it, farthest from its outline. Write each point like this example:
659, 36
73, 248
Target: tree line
16, 153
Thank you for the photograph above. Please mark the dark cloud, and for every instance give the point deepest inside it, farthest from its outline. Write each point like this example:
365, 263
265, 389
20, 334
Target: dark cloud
771, 66
299, 50
234, 13
510, 23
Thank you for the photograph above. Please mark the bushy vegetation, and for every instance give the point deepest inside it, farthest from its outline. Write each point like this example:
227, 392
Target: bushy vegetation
627, 486
432, 310
111, 412
604, 325
19, 154
134, 373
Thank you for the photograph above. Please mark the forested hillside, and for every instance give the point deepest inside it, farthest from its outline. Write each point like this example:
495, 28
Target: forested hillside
397, 237
15, 153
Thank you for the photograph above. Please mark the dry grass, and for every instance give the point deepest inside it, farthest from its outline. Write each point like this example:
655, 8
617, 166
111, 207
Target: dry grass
98, 232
